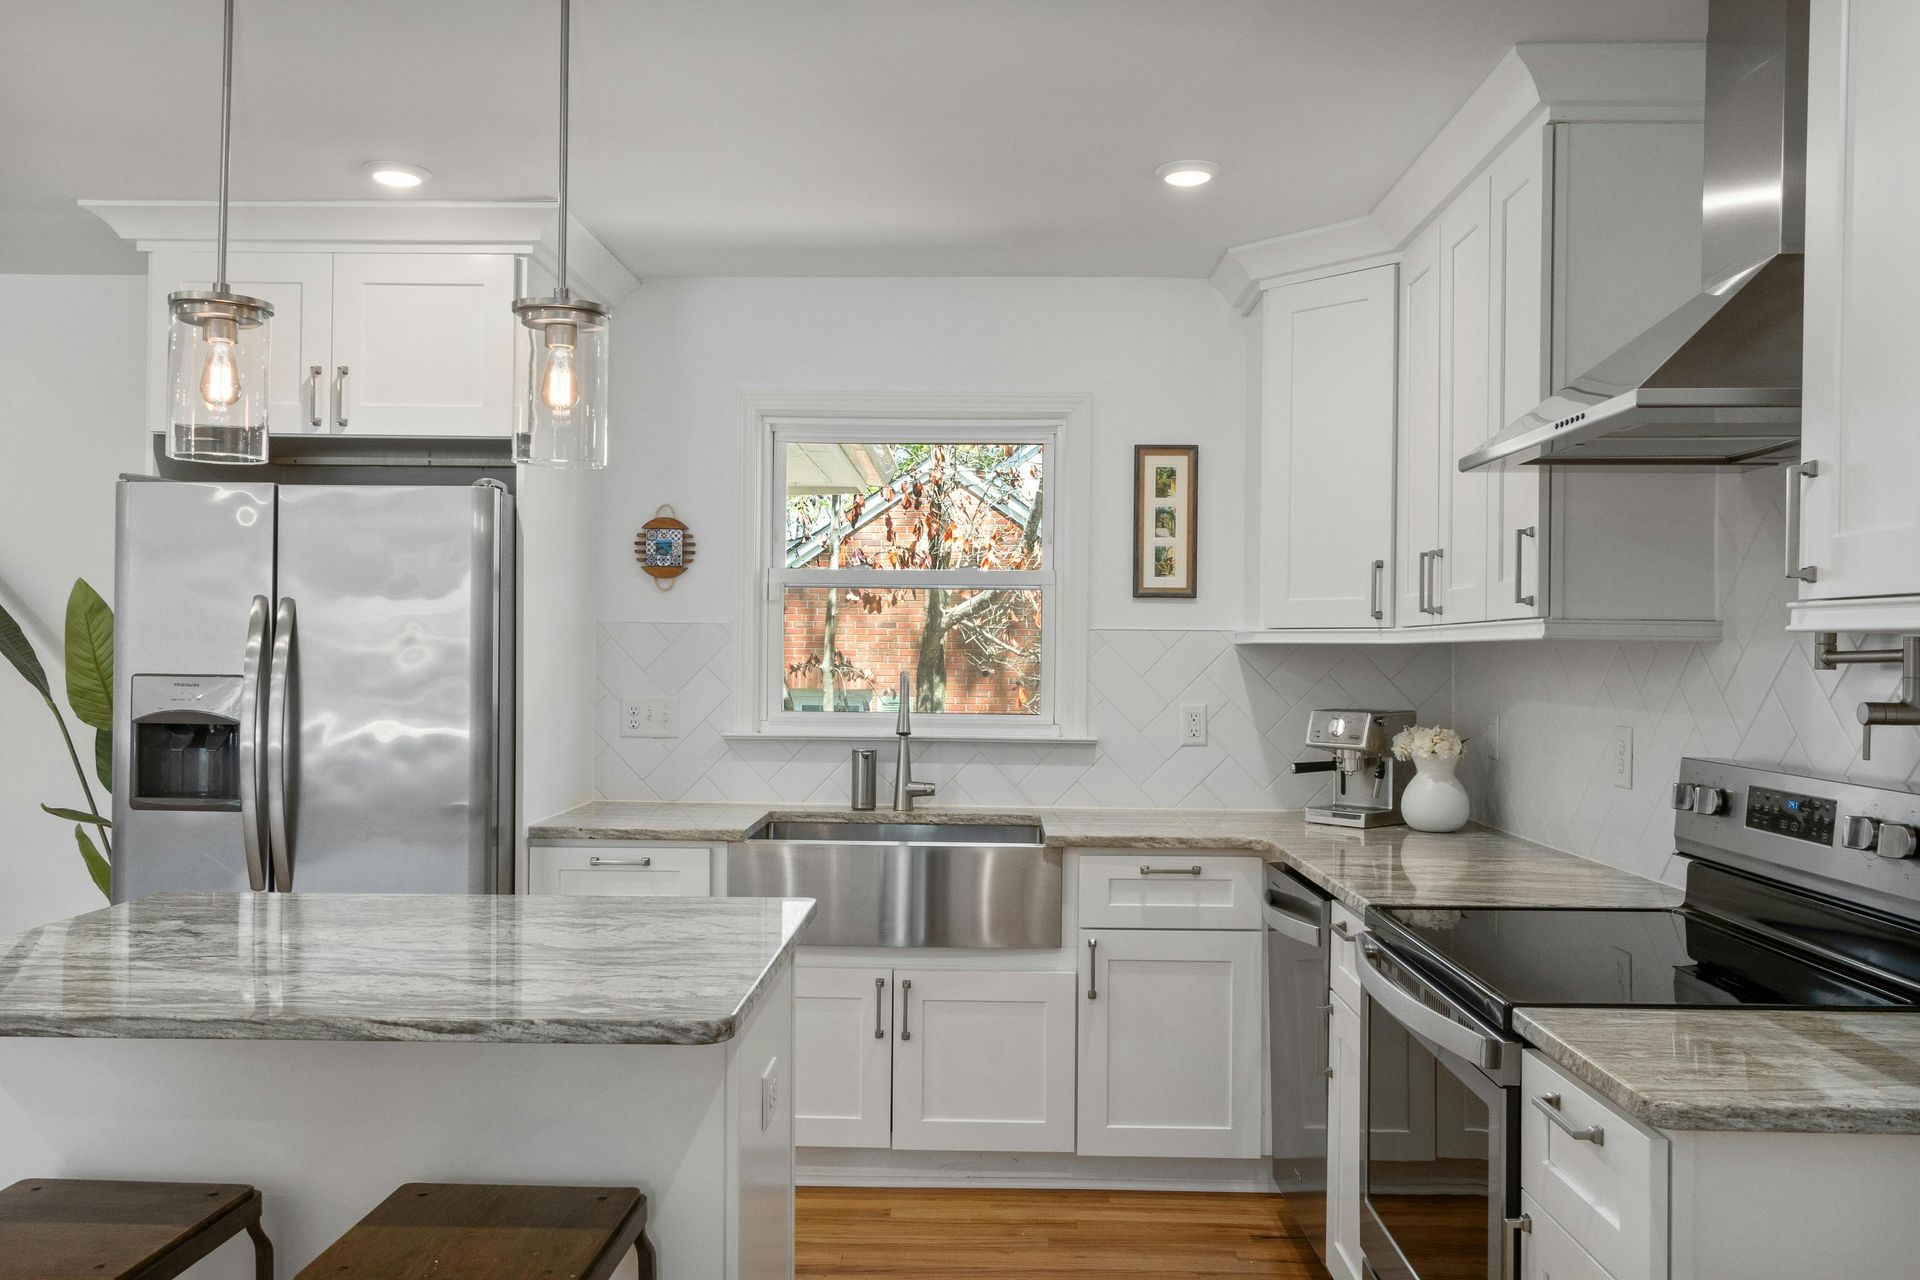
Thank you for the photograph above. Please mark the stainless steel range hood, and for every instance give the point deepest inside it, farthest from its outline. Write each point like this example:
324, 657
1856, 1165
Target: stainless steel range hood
1717, 383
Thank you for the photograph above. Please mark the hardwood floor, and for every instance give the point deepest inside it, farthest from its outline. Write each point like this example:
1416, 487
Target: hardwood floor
891, 1233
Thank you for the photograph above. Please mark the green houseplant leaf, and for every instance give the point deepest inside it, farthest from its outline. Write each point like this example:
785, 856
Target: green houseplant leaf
89, 656
103, 757
97, 866
76, 815
13, 643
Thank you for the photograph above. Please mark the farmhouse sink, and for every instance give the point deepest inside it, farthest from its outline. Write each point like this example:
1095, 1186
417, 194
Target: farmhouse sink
907, 884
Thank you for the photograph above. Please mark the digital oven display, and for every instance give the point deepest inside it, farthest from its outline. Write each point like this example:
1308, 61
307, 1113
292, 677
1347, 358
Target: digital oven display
1808, 818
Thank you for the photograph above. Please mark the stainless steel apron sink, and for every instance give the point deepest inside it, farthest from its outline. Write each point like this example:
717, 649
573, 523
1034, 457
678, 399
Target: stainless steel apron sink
907, 884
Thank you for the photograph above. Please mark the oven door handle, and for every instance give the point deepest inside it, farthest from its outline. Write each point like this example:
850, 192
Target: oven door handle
1411, 1010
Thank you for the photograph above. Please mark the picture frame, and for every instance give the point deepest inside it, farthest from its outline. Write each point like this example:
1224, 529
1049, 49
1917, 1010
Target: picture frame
1166, 480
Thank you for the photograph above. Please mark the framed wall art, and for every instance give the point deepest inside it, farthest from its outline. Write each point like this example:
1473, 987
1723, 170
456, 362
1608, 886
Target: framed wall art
1165, 503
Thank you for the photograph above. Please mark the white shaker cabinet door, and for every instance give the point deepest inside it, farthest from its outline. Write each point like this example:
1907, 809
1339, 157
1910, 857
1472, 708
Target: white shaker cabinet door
300, 288
1345, 1114
983, 1061
1861, 526
1421, 447
842, 1057
423, 344
1517, 380
1466, 409
1326, 452
1547, 1252
1170, 1052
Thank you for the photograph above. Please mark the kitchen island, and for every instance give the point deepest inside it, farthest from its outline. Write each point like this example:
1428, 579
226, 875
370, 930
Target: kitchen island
327, 1048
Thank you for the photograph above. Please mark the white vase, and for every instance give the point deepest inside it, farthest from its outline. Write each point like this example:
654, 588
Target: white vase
1434, 799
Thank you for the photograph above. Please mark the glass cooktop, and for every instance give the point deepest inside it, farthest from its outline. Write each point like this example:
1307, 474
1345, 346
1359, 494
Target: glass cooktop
1502, 958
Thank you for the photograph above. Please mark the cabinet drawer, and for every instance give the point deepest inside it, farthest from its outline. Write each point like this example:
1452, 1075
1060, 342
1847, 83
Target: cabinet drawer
1169, 890
1344, 972
1610, 1195
620, 871
1549, 1253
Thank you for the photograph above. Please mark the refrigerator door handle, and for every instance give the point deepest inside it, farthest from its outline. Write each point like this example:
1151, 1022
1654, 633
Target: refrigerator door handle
253, 709
281, 726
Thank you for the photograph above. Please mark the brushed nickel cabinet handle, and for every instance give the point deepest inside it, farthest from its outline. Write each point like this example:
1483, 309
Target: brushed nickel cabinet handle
314, 374
879, 1008
1796, 473
1519, 542
340, 396
1433, 580
1378, 572
619, 862
1170, 871
906, 1003
1420, 584
1548, 1104
1093, 968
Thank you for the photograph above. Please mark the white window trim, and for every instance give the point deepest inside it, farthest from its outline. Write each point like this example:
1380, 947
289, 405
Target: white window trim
1064, 677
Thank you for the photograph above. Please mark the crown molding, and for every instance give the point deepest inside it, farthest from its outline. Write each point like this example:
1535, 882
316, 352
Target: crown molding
591, 266
186, 224
1532, 85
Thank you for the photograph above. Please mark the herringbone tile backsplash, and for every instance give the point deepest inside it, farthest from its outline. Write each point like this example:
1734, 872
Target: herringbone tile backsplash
1257, 703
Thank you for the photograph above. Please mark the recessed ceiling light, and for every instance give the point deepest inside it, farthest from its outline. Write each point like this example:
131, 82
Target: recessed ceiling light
1187, 173
394, 173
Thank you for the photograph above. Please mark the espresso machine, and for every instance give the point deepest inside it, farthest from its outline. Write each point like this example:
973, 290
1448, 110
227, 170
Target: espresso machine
1368, 781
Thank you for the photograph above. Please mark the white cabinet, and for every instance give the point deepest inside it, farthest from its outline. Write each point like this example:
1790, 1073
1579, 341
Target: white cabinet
1326, 460
1170, 1043
1346, 1094
983, 1061
1420, 450
1149, 889
1860, 529
366, 343
609, 870
934, 1059
423, 343
1548, 1253
843, 1057
1599, 1175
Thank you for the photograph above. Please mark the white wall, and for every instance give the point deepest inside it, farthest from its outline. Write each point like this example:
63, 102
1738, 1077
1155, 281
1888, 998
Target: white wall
73, 362
1164, 362
1752, 696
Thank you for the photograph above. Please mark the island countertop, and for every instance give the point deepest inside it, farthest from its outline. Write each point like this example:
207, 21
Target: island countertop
535, 970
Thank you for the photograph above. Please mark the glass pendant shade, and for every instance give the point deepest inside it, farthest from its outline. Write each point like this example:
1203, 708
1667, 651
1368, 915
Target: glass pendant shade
218, 346
562, 418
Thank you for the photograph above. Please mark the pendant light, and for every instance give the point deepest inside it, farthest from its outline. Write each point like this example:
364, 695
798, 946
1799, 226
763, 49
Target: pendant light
563, 421
218, 342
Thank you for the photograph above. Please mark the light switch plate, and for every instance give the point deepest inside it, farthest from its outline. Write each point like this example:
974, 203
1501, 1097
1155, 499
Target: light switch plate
650, 718
1623, 756
1193, 724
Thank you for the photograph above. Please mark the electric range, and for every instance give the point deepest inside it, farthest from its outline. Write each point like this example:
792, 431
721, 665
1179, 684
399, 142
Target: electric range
1801, 893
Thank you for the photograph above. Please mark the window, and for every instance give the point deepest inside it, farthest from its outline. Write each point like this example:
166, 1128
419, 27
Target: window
910, 542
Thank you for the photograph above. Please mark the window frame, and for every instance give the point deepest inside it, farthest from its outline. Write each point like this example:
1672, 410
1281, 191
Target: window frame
772, 421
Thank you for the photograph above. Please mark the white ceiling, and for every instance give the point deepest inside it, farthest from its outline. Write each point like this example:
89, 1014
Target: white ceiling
746, 137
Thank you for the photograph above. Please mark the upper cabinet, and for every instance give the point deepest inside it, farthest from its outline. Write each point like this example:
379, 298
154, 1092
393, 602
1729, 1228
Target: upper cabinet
391, 318
1565, 244
413, 344
1853, 537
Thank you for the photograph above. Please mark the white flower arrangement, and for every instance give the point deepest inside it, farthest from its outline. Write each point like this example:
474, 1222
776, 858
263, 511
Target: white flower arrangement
1427, 742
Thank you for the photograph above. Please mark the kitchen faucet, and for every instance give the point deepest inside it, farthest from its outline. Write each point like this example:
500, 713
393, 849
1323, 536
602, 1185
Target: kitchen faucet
905, 789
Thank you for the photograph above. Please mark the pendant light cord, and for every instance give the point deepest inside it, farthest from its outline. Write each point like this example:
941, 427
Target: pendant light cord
566, 60
226, 143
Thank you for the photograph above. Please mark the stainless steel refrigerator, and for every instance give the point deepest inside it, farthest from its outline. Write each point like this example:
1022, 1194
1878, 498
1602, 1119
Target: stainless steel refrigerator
313, 688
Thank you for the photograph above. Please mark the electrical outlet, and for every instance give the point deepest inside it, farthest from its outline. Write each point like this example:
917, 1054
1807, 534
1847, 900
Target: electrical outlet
1193, 724
650, 718
769, 1095
1623, 756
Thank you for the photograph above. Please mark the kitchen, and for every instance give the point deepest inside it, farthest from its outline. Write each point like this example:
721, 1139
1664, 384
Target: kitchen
1143, 969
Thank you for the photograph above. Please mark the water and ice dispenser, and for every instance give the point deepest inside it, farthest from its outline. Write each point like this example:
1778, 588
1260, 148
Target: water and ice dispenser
186, 742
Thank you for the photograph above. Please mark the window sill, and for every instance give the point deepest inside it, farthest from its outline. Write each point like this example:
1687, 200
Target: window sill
1049, 736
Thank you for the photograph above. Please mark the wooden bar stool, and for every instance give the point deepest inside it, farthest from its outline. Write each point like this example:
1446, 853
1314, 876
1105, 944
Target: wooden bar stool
460, 1231
70, 1229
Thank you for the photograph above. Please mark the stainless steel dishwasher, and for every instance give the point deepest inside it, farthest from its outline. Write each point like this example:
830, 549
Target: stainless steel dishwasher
1299, 921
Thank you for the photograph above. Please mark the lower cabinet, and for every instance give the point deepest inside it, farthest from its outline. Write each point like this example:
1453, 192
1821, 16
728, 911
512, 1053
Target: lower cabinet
934, 1059
1170, 1043
1346, 1113
620, 871
1549, 1253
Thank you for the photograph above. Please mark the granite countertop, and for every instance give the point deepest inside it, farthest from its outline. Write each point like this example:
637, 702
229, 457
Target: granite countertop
1741, 1069
1385, 866
536, 970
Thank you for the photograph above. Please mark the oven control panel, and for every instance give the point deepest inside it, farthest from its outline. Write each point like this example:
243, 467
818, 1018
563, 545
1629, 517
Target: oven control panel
1787, 813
